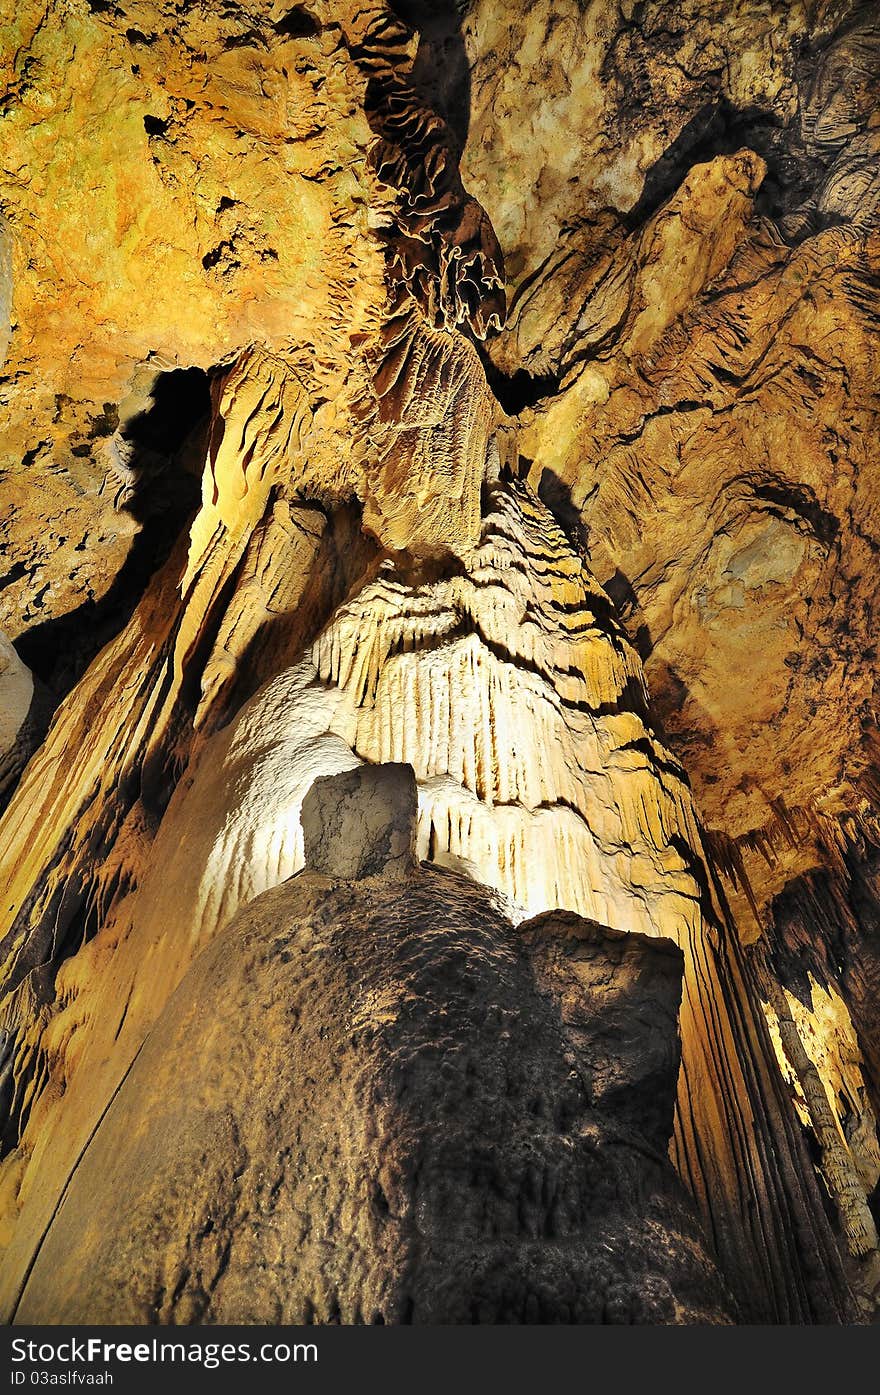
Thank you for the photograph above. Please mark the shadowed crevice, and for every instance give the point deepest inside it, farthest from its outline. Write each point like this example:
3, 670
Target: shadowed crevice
152, 463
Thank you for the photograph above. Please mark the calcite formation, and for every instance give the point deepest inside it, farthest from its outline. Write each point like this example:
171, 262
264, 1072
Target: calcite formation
439, 520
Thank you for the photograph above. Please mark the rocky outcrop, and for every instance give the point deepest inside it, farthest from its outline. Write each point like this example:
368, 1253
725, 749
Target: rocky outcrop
361, 823
402, 1111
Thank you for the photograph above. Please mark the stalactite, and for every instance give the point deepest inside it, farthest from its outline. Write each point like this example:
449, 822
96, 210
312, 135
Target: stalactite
846, 1186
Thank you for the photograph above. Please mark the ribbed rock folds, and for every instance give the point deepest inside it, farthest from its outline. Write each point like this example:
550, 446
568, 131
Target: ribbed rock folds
439, 522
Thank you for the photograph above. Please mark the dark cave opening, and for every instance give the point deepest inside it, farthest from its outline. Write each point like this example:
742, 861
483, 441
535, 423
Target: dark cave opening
157, 455
297, 23
515, 392
721, 128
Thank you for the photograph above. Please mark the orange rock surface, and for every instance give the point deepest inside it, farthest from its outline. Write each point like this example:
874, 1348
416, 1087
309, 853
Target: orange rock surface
490, 393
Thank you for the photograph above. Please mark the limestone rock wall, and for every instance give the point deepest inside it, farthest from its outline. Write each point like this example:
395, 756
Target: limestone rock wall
492, 393
18, 722
691, 348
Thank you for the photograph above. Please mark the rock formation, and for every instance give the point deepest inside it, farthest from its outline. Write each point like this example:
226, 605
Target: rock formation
489, 394
19, 720
429, 1091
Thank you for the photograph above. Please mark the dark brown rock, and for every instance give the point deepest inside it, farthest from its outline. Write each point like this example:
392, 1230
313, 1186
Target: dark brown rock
377, 1102
361, 823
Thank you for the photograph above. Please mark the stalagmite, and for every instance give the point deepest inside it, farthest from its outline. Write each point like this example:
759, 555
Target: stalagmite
451, 580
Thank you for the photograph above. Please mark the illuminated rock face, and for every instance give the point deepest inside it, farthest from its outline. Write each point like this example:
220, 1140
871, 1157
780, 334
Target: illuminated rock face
509, 686
691, 242
525, 722
333, 515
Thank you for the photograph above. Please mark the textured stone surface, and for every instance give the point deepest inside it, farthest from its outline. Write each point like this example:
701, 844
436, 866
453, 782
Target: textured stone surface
287, 489
402, 1111
538, 734
220, 197
361, 823
690, 230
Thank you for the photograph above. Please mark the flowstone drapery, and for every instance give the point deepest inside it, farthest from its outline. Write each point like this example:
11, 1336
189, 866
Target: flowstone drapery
338, 511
